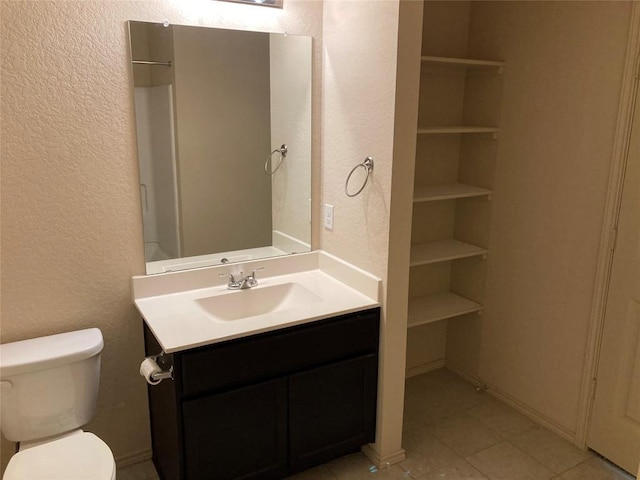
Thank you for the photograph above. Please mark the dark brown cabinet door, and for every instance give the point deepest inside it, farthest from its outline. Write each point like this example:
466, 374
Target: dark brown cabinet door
239, 434
266, 406
332, 411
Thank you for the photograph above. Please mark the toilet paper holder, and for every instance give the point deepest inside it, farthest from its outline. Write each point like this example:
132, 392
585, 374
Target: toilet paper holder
162, 361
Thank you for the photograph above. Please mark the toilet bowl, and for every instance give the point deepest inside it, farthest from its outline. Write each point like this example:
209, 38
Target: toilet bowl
48, 390
81, 456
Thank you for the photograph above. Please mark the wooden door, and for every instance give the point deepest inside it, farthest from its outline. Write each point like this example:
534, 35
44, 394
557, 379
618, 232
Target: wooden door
614, 431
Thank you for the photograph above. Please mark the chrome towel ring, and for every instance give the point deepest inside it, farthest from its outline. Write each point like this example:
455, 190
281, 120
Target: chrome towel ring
367, 164
269, 162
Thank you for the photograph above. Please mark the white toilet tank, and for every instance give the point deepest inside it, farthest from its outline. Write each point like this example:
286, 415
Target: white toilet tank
49, 385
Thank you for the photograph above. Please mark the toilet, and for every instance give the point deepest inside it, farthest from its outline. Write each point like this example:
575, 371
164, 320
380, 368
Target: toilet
48, 390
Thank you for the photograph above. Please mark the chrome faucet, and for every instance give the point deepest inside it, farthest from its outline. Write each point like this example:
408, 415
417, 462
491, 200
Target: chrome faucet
244, 282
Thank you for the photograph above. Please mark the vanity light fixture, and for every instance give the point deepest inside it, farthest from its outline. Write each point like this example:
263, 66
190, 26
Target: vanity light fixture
264, 3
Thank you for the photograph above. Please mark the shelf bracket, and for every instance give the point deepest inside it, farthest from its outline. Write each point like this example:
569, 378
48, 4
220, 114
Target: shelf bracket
495, 135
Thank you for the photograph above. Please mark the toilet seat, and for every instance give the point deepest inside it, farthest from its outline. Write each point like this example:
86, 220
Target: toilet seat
76, 457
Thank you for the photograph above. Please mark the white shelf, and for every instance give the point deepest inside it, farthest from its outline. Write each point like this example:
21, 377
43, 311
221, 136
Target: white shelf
443, 251
440, 306
447, 192
457, 129
463, 62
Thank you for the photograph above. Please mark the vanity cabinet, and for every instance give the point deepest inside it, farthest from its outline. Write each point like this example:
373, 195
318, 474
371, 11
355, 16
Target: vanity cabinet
237, 433
269, 405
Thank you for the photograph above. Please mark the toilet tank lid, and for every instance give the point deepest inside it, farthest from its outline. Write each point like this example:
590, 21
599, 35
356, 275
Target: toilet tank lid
48, 352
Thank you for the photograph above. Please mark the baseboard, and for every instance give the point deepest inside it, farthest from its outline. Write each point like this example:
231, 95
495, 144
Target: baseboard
387, 460
465, 375
427, 367
132, 458
526, 410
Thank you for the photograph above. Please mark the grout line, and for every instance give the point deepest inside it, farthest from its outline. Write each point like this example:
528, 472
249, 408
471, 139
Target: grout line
553, 474
501, 435
535, 460
588, 459
329, 471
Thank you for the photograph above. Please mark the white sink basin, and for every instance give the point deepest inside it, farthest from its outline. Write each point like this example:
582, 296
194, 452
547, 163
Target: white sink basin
193, 308
241, 304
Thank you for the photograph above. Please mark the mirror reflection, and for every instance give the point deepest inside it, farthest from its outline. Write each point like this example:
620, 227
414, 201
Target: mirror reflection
223, 120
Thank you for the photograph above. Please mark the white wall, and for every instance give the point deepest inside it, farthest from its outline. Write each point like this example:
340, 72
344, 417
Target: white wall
71, 227
561, 91
359, 120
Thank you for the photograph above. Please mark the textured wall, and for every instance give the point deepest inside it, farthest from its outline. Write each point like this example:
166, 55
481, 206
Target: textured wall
559, 109
359, 109
360, 41
71, 228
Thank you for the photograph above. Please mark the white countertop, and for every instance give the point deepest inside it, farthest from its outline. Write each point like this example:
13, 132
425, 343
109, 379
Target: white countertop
179, 322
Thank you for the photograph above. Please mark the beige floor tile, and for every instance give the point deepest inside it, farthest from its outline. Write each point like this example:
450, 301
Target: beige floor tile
446, 419
435, 395
596, 469
425, 453
464, 435
434, 378
549, 449
139, 471
421, 411
501, 418
359, 467
316, 473
506, 462
447, 386
461, 470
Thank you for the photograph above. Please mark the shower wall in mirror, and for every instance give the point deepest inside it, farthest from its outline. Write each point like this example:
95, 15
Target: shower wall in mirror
211, 107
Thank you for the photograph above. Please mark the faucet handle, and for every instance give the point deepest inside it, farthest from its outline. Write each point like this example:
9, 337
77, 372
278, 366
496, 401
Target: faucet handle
253, 273
229, 276
251, 279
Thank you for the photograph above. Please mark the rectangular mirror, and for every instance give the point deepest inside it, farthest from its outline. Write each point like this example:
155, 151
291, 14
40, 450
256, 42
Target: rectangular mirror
223, 121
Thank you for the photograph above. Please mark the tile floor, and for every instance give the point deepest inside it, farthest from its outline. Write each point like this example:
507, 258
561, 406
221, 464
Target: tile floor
452, 432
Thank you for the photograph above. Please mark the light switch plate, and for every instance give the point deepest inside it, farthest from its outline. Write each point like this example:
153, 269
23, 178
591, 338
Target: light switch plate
328, 216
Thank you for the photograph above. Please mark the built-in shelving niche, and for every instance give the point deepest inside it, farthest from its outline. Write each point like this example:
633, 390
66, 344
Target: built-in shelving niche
457, 134
448, 258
